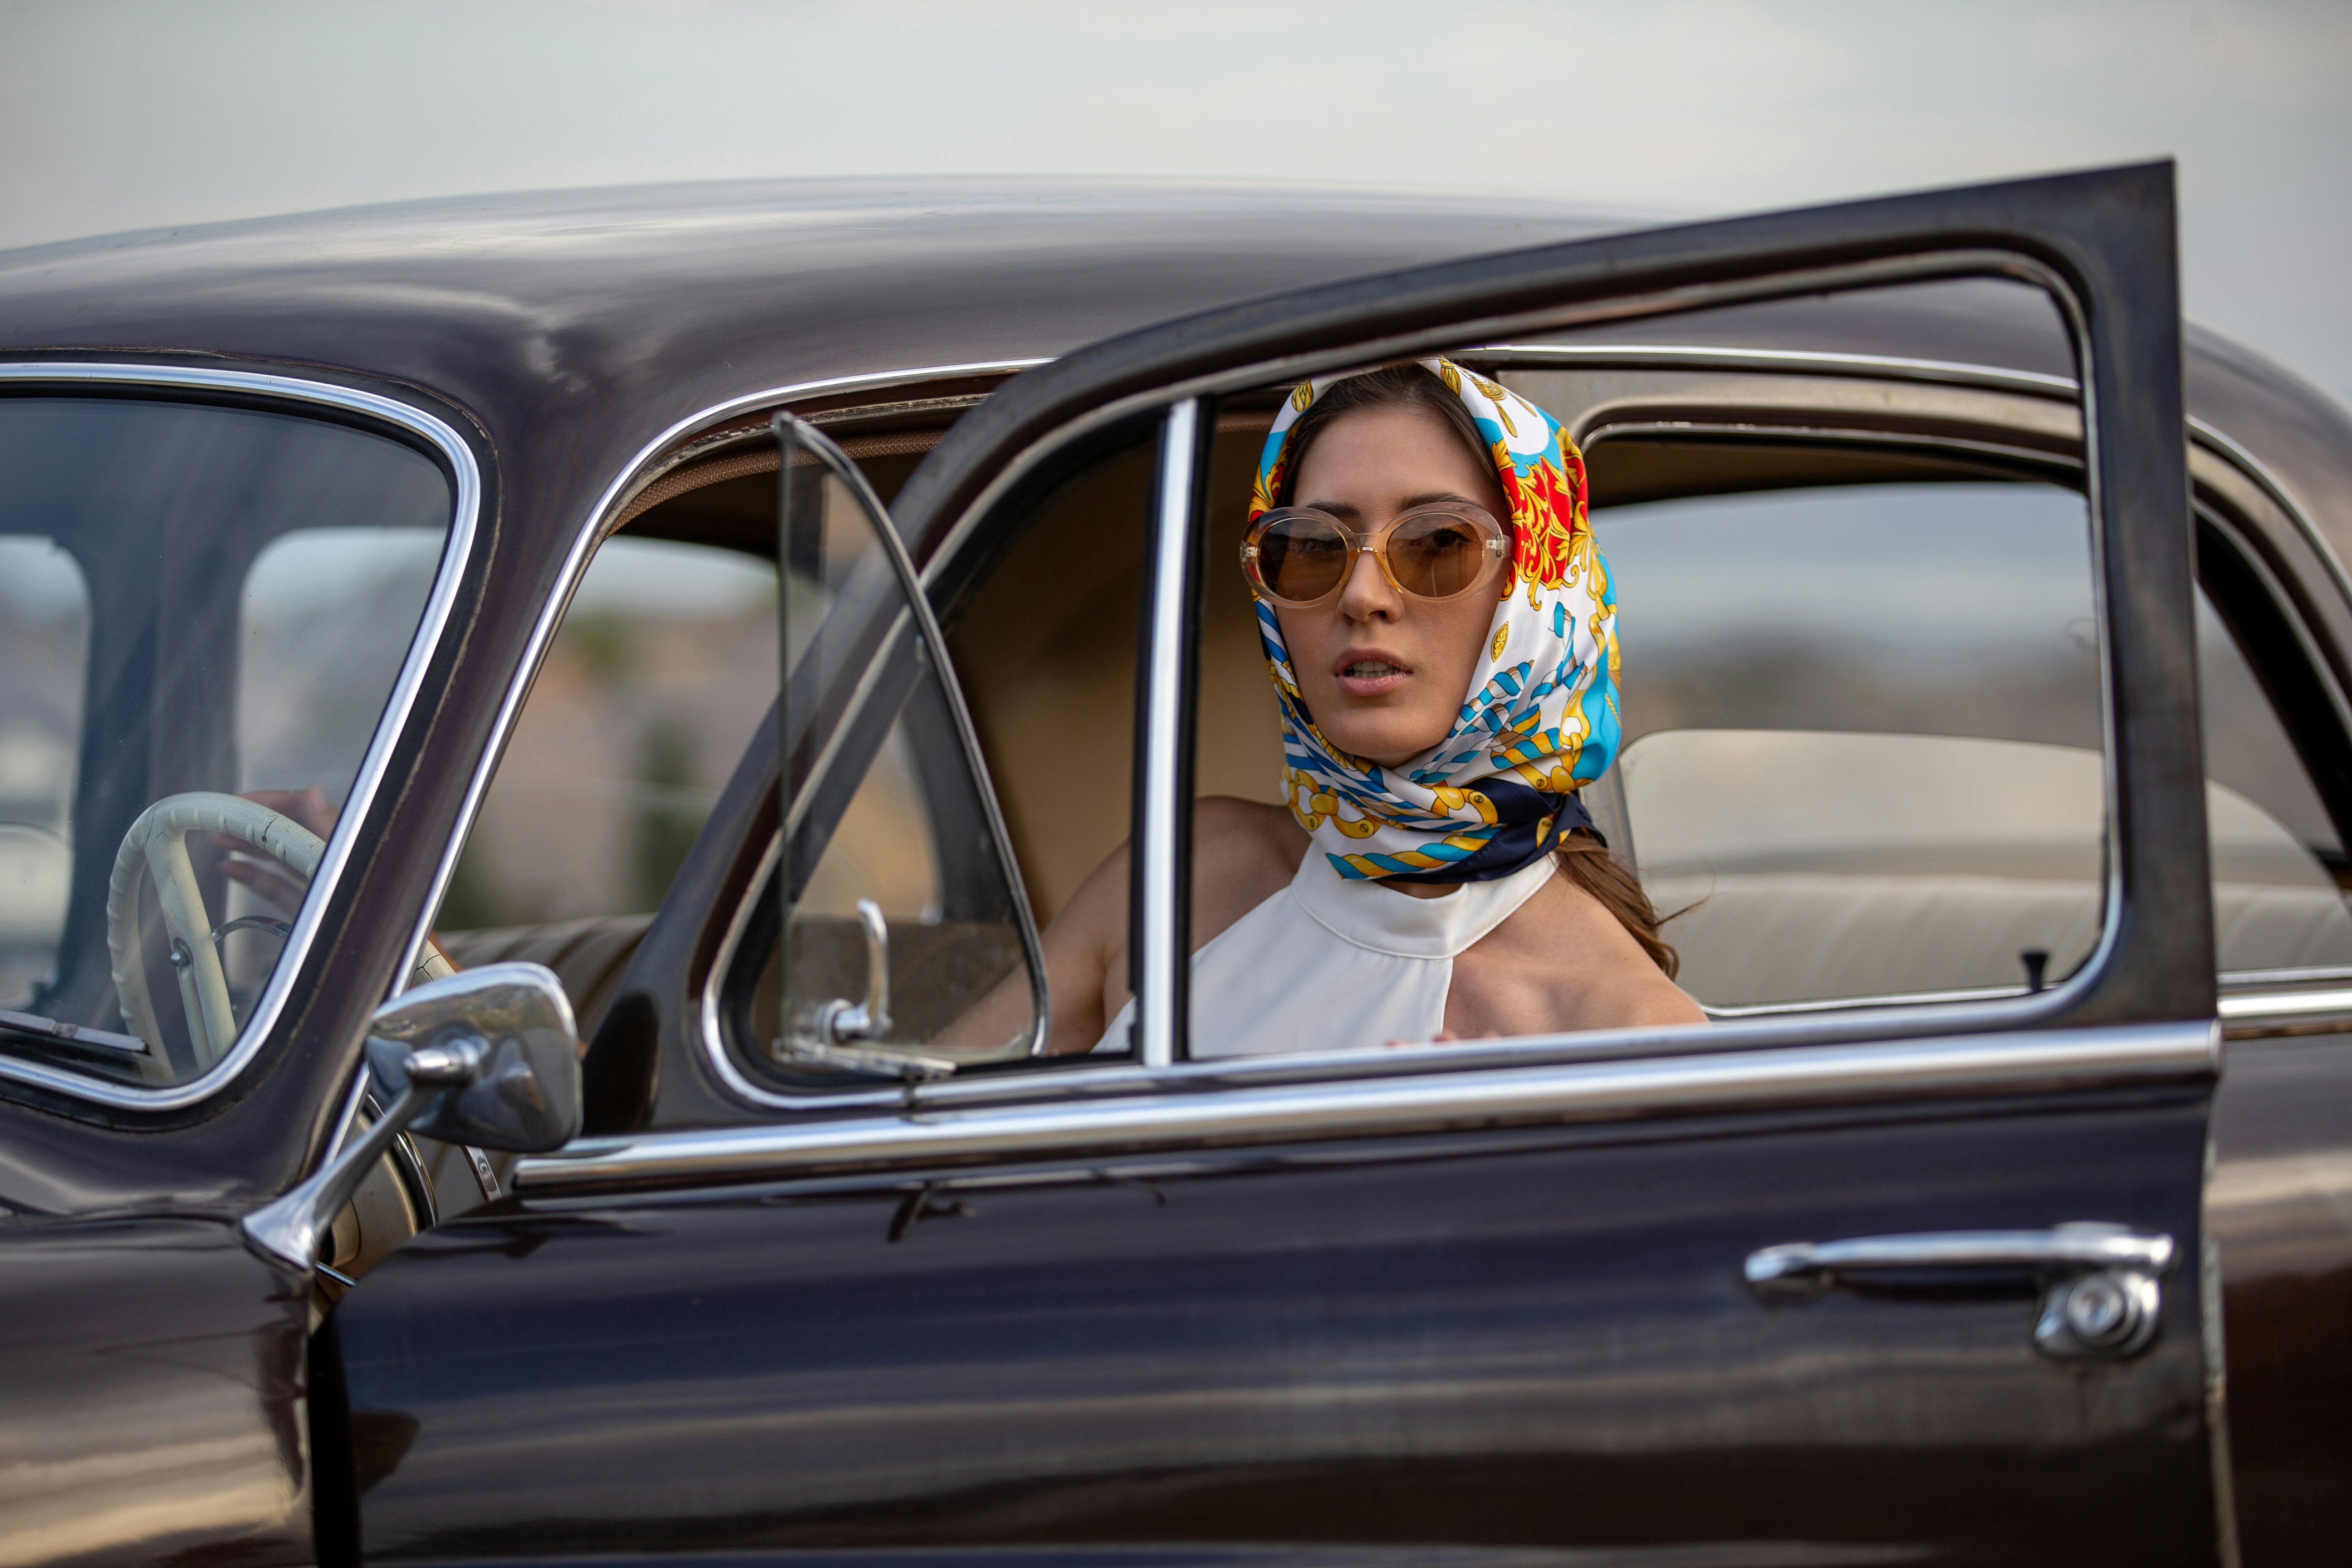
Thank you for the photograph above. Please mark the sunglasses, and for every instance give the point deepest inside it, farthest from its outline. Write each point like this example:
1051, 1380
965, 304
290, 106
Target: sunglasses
1297, 556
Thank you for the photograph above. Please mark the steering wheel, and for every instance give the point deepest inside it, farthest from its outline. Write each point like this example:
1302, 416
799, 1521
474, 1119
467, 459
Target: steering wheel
157, 842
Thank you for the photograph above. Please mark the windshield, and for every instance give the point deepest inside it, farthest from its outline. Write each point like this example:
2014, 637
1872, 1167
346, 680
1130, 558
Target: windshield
202, 611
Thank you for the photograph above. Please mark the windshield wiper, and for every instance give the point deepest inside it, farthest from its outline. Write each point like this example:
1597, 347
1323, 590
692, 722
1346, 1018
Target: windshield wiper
72, 1034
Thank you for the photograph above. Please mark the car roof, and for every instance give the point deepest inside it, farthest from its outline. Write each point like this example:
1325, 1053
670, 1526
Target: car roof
666, 294
574, 326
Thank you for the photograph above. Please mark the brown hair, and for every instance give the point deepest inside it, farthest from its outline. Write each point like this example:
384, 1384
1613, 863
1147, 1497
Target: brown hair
1583, 858
1406, 385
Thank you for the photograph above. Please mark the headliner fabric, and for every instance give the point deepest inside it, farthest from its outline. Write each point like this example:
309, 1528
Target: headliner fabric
1539, 719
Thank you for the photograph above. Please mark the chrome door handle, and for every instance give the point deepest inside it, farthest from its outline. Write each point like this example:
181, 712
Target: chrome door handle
2099, 1298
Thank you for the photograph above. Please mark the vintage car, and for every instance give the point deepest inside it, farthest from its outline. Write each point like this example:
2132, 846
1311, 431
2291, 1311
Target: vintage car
723, 625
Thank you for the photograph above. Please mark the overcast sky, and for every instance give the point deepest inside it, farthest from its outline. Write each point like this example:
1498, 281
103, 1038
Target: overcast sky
117, 114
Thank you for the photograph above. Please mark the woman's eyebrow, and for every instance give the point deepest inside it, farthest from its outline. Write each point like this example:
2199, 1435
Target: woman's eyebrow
1427, 497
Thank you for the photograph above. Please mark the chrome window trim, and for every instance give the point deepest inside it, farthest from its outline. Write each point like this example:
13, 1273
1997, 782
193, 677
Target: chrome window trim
2031, 457
2337, 998
639, 470
2321, 974
1616, 1090
1164, 950
2272, 486
1692, 356
465, 486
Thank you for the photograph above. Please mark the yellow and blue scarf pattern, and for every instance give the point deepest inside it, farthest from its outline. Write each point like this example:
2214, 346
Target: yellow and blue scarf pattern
1540, 718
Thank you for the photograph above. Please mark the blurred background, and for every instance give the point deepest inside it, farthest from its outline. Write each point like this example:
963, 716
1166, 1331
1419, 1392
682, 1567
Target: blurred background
126, 114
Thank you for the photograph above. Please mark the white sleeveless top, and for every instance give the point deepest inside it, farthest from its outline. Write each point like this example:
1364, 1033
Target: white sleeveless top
1329, 964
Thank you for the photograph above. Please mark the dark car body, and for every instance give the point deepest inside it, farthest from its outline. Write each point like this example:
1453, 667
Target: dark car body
611, 1363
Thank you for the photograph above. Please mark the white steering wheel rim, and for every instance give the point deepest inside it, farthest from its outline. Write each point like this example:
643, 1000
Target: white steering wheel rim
157, 842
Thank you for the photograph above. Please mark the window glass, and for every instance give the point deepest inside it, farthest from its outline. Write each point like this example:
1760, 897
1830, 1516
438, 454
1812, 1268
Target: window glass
2278, 863
202, 611
44, 650
1863, 731
1043, 632
891, 872
653, 685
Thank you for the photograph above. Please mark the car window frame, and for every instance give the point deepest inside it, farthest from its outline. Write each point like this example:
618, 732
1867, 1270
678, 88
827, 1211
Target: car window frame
2025, 464
388, 419
2013, 433
2258, 519
999, 450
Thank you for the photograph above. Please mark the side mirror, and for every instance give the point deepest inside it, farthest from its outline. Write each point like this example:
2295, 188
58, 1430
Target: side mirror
489, 1057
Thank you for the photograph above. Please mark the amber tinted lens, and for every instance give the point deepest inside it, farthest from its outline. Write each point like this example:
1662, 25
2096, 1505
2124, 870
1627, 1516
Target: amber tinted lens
1438, 555
1301, 557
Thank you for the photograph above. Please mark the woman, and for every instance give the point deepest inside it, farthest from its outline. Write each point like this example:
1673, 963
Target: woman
1441, 634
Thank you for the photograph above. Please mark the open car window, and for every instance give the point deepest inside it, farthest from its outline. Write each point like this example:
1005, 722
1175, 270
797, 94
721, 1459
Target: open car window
1863, 720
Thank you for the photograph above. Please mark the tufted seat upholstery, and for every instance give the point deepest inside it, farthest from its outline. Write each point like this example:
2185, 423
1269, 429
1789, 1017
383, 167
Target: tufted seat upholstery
1816, 865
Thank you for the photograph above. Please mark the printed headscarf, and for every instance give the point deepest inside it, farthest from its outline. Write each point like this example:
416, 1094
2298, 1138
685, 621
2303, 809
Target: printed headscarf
1539, 719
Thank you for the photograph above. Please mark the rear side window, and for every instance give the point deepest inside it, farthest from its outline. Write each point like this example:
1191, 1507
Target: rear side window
654, 682
2279, 867
203, 611
1864, 751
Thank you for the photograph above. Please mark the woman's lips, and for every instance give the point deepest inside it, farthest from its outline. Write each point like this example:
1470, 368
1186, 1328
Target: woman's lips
1368, 672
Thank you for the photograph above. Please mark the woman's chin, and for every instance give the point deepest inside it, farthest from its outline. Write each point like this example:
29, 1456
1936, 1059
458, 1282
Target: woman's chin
1386, 749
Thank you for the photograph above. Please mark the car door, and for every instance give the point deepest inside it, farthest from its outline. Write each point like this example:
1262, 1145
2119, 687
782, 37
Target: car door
1922, 1277
219, 587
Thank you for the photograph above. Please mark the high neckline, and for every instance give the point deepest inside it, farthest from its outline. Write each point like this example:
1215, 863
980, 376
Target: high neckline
1380, 919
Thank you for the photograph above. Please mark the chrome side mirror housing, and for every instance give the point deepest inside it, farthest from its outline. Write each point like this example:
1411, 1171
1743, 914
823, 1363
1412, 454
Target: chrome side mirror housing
489, 1057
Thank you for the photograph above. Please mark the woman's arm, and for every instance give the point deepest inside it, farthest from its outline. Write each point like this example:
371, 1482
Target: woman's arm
1243, 853
1078, 949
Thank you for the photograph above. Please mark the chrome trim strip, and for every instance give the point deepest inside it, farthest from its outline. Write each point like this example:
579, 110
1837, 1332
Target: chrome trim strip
2242, 979
1853, 436
2291, 1004
1820, 361
465, 504
2281, 497
1159, 1009
1842, 1004
576, 563
1618, 1089
714, 1042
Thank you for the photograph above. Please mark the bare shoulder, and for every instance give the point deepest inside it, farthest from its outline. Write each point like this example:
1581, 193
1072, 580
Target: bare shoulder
1515, 981
1230, 828
1244, 852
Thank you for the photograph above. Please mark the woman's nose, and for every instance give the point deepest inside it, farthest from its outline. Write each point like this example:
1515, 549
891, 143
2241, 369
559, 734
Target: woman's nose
1368, 593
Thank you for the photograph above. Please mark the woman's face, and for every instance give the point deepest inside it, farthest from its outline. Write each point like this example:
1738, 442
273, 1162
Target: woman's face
1384, 674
